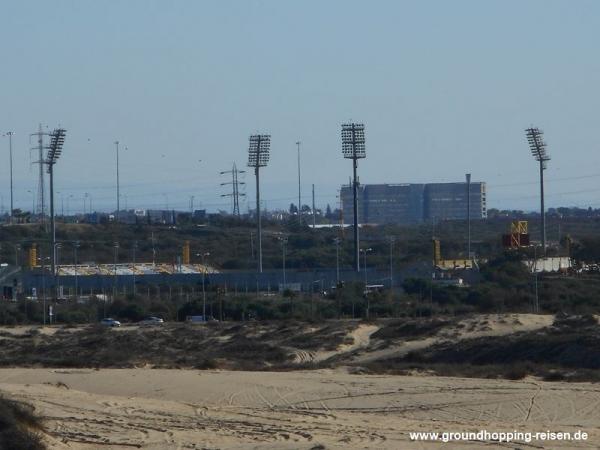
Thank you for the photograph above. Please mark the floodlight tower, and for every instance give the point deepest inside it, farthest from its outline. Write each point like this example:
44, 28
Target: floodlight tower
57, 140
353, 147
258, 156
538, 150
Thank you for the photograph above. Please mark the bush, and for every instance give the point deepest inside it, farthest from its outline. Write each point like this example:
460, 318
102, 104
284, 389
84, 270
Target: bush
410, 329
17, 425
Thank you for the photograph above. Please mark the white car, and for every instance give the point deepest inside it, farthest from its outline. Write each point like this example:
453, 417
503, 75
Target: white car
152, 321
108, 322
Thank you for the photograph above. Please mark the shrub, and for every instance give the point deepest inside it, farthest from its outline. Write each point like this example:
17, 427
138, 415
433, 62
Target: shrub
17, 425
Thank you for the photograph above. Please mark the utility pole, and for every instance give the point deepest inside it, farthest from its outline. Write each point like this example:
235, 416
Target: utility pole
314, 211
135, 245
468, 176
299, 186
364, 251
235, 191
12, 207
284, 241
204, 269
118, 196
153, 250
392, 240
337, 261
536, 305
116, 257
75, 247
32, 202
341, 208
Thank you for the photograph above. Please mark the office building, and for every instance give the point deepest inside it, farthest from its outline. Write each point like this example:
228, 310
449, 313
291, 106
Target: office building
414, 203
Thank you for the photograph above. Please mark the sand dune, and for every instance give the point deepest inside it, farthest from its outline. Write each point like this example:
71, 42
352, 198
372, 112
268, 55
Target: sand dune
337, 407
188, 409
472, 327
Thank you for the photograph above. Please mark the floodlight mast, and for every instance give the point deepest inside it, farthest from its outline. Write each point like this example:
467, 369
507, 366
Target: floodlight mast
57, 140
258, 156
353, 147
538, 151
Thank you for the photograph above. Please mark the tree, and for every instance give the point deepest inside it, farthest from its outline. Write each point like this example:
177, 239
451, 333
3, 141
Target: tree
416, 285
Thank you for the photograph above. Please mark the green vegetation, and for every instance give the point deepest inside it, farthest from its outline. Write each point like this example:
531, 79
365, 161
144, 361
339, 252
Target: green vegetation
504, 285
250, 346
567, 350
229, 241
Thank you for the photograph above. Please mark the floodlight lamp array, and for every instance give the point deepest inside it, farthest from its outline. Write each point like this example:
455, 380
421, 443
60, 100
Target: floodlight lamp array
258, 150
353, 140
57, 140
537, 144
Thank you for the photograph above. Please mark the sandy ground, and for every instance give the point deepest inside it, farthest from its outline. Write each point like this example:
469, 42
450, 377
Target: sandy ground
189, 409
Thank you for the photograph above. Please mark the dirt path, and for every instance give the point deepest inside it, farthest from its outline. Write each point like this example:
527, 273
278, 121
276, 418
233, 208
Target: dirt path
361, 336
360, 339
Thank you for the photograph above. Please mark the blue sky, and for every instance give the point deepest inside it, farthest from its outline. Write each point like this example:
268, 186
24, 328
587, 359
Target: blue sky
443, 87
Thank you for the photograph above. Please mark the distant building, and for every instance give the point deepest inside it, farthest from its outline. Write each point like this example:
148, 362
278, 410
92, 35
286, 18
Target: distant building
199, 214
160, 216
10, 281
448, 201
414, 203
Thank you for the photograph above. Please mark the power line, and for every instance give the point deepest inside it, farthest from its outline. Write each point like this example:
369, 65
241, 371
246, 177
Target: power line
552, 180
552, 194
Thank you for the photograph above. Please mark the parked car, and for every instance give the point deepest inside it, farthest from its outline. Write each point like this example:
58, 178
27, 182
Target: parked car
152, 320
108, 322
200, 319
